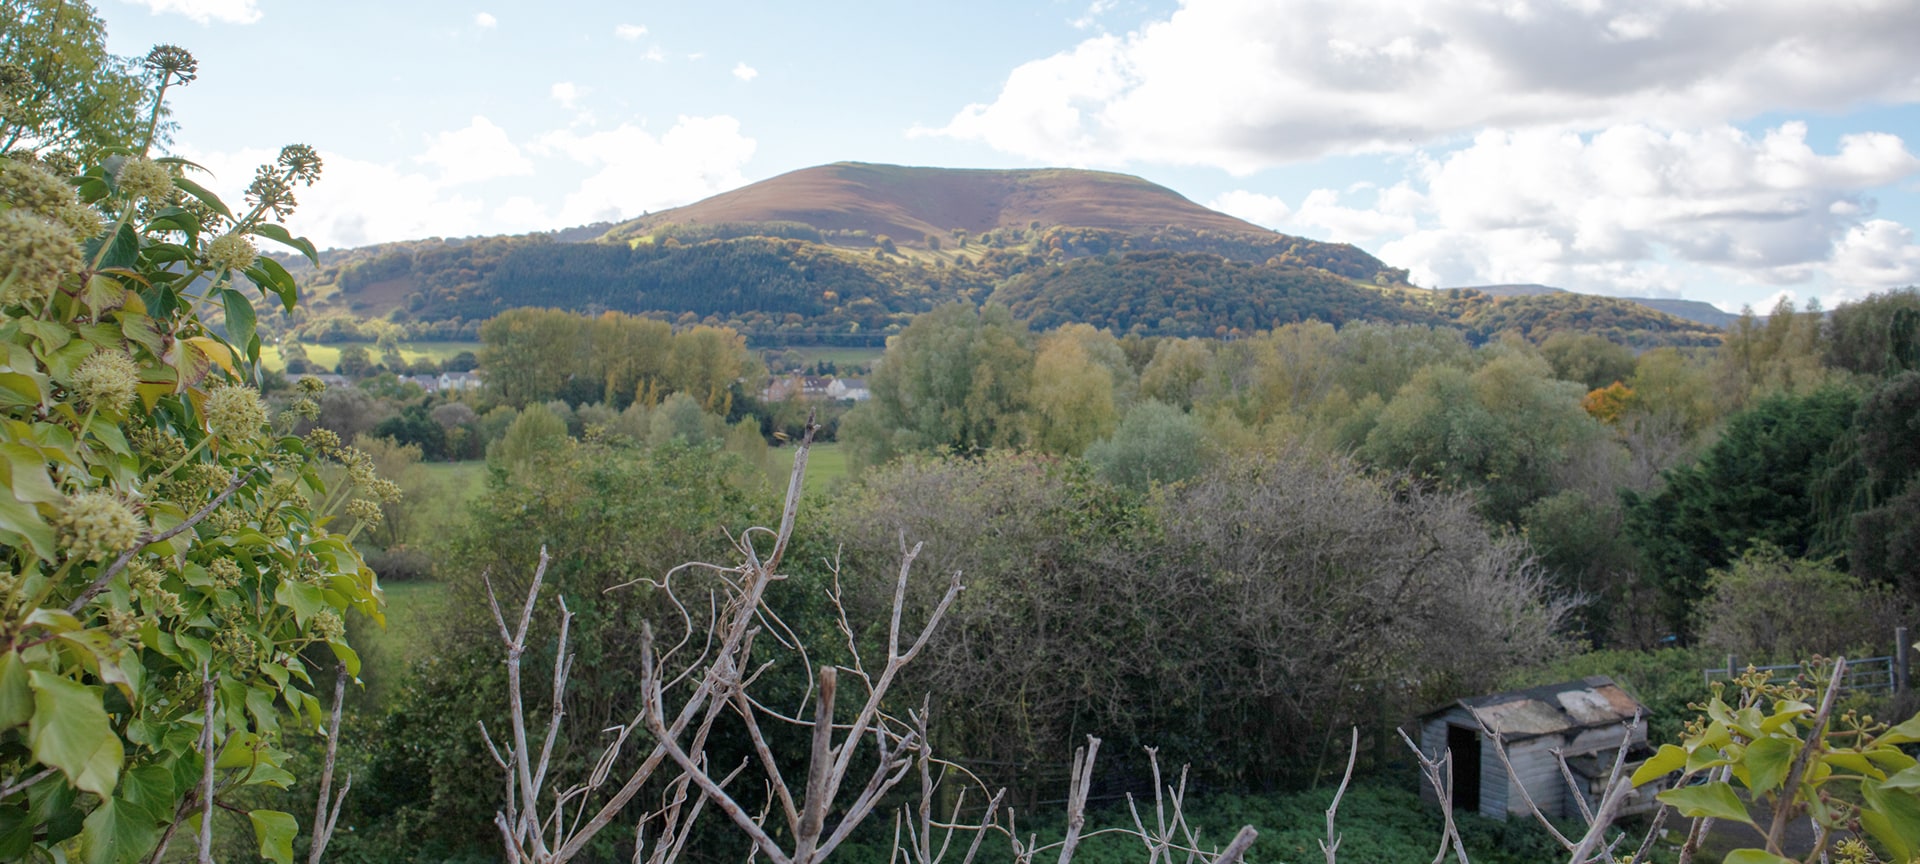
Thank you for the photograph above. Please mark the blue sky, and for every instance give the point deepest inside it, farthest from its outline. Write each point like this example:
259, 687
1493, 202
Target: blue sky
1729, 152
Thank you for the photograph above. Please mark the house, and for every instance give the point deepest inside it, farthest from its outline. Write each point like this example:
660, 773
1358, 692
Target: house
428, 383
851, 389
1584, 721
459, 381
803, 387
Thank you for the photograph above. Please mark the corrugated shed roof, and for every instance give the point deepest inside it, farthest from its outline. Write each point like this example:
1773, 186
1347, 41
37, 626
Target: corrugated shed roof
1553, 709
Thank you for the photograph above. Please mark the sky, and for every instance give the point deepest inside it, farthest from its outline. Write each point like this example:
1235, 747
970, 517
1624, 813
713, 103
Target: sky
1732, 151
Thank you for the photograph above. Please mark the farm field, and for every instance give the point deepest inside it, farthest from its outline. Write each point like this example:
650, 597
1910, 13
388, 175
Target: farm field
329, 355
825, 467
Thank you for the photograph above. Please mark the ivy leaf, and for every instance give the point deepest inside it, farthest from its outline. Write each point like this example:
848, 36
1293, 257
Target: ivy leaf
1668, 760
280, 233
1716, 800
240, 320
70, 731
306, 601
117, 832
1768, 761
275, 831
212, 201
1905, 733
23, 520
150, 786
1754, 856
16, 698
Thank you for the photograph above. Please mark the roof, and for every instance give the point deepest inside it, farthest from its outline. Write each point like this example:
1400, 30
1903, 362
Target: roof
1553, 709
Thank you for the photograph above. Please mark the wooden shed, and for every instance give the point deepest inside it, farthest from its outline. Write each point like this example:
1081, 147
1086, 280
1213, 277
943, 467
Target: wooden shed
1583, 720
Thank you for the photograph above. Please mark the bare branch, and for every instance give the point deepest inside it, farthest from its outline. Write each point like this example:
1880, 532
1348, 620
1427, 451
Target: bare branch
322, 826
1331, 845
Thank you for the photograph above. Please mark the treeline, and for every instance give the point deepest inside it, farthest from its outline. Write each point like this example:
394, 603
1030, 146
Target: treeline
1190, 294
1635, 477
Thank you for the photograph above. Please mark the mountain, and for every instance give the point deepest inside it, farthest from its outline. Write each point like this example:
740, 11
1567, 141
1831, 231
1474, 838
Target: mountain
856, 201
848, 253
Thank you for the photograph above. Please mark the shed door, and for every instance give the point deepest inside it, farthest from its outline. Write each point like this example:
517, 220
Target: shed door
1464, 744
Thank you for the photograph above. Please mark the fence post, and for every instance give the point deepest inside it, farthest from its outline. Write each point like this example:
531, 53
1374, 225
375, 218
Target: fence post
1900, 660
1731, 671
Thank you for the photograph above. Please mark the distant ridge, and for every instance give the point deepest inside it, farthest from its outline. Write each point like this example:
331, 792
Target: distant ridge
1699, 312
908, 203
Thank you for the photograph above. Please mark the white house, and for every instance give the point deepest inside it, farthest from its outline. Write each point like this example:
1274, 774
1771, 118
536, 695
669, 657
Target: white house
854, 389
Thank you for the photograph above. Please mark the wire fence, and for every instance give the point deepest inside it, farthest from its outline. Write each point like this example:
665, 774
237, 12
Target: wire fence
1886, 675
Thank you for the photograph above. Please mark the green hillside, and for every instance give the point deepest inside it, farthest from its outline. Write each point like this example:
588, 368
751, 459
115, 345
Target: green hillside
846, 254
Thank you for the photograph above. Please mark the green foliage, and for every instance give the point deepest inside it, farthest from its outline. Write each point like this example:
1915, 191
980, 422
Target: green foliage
1229, 620
1755, 484
1792, 760
1588, 359
1767, 607
1501, 430
1193, 294
536, 355
1876, 335
161, 530
1156, 444
1538, 317
534, 432
63, 93
610, 515
957, 379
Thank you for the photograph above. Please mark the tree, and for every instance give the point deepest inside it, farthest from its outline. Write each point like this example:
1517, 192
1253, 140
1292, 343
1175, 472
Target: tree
1755, 484
355, 362
537, 430
1156, 444
1073, 396
63, 93
1766, 606
958, 379
1502, 430
707, 362
1178, 373
1588, 359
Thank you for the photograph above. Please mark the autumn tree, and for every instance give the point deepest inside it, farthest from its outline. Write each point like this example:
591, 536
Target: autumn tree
61, 91
957, 379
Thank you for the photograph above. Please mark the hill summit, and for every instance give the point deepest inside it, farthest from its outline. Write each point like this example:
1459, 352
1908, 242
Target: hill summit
911, 204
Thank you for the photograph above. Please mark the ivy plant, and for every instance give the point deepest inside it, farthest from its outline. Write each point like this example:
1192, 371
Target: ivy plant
171, 578
1766, 754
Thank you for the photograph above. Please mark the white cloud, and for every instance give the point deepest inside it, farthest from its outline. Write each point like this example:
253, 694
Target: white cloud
207, 11
1629, 210
744, 72
636, 171
486, 21
1266, 211
1091, 17
656, 55
358, 202
481, 151
629, 32
567, 93
1243, 84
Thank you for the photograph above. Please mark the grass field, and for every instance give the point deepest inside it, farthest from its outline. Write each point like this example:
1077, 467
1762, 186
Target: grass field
412, 605
826, 466
329, 355
812, 354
